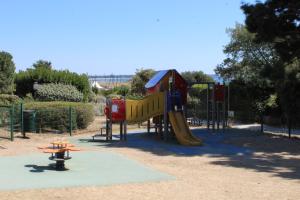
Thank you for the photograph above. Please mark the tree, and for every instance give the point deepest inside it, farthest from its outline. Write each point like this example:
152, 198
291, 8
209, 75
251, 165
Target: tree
246, 64
139, 80
42, 64
193, 77
278, 23
246, 60
196, 92
7, 69
25, 80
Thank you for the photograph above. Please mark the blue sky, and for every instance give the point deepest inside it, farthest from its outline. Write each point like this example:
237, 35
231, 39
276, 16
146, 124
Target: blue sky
118, 36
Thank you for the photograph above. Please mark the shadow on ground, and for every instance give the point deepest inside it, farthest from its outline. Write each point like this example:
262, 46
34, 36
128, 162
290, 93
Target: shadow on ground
234, 148
271, 153
152, 143
39, 169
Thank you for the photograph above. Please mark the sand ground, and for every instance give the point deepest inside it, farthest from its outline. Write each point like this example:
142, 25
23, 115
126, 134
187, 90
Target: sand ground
272, 171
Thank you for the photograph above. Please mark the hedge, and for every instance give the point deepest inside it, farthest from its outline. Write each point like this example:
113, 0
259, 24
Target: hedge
55, 115
7, 99
58, 92
25, 79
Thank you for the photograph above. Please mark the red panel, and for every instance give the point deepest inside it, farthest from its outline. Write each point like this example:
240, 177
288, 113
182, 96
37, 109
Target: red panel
181, 85
219, 93
118, 110
153, 89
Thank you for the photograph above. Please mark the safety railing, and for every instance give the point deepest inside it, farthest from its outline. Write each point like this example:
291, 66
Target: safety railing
142, 110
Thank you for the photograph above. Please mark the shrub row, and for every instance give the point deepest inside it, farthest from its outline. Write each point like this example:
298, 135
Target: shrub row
55, 115
7, 99
58, 92
25, 79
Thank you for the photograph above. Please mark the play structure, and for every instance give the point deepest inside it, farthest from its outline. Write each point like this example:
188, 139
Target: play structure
208, 105
60, 152
164, 103
217, 105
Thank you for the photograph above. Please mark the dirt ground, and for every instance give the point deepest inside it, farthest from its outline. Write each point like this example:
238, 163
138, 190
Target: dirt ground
272, 171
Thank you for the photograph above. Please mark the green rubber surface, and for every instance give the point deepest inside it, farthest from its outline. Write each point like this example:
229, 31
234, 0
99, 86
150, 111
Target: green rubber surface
86, 168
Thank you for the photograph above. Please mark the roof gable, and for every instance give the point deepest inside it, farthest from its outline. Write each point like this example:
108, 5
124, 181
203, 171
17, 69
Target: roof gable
160, 75
156, 78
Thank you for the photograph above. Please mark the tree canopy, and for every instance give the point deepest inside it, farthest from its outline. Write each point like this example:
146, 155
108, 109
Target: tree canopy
7, 70
276, 22
139, 80
42, 64
247, 60
246, 64
25, 80
194, 77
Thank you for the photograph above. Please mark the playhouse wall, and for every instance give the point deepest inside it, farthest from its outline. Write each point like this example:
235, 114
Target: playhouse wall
118, 110
141, 110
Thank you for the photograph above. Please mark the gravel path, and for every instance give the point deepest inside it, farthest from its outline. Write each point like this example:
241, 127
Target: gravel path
238, 164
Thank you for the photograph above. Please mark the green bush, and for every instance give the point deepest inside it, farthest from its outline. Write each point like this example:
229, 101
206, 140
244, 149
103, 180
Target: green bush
139, 80
85, 115
134, 97
58, 92
25, 79
7, 99
121, 90
55, 115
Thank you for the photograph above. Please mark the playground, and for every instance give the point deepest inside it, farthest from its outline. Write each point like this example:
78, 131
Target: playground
152, 148
236, 164
158, 100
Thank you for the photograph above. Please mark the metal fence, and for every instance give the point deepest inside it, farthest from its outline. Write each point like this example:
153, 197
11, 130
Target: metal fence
55, 120
11, 121
16, 120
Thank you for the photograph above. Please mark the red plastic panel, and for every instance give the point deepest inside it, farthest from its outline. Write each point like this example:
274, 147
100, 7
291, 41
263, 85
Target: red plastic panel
153, 89
219, 92
181, 85
118, 110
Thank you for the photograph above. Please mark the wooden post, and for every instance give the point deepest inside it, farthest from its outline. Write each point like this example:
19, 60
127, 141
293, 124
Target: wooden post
224, 116
261, 123
110, 129
184, 111
160, 128
121, 130
289, 126
70, 120
213, 107
218, 115
125, 130
228, 103
207, 107
109, 122
166, 129
148, 126
124, 123
107, 129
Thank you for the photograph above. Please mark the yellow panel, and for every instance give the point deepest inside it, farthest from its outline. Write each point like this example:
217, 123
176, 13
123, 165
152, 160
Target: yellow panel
141, 110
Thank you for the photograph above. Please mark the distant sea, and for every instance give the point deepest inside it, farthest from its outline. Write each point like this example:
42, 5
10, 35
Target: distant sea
216, 78
126, 78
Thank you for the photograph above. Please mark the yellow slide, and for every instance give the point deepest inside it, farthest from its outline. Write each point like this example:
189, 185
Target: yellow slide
182, 130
